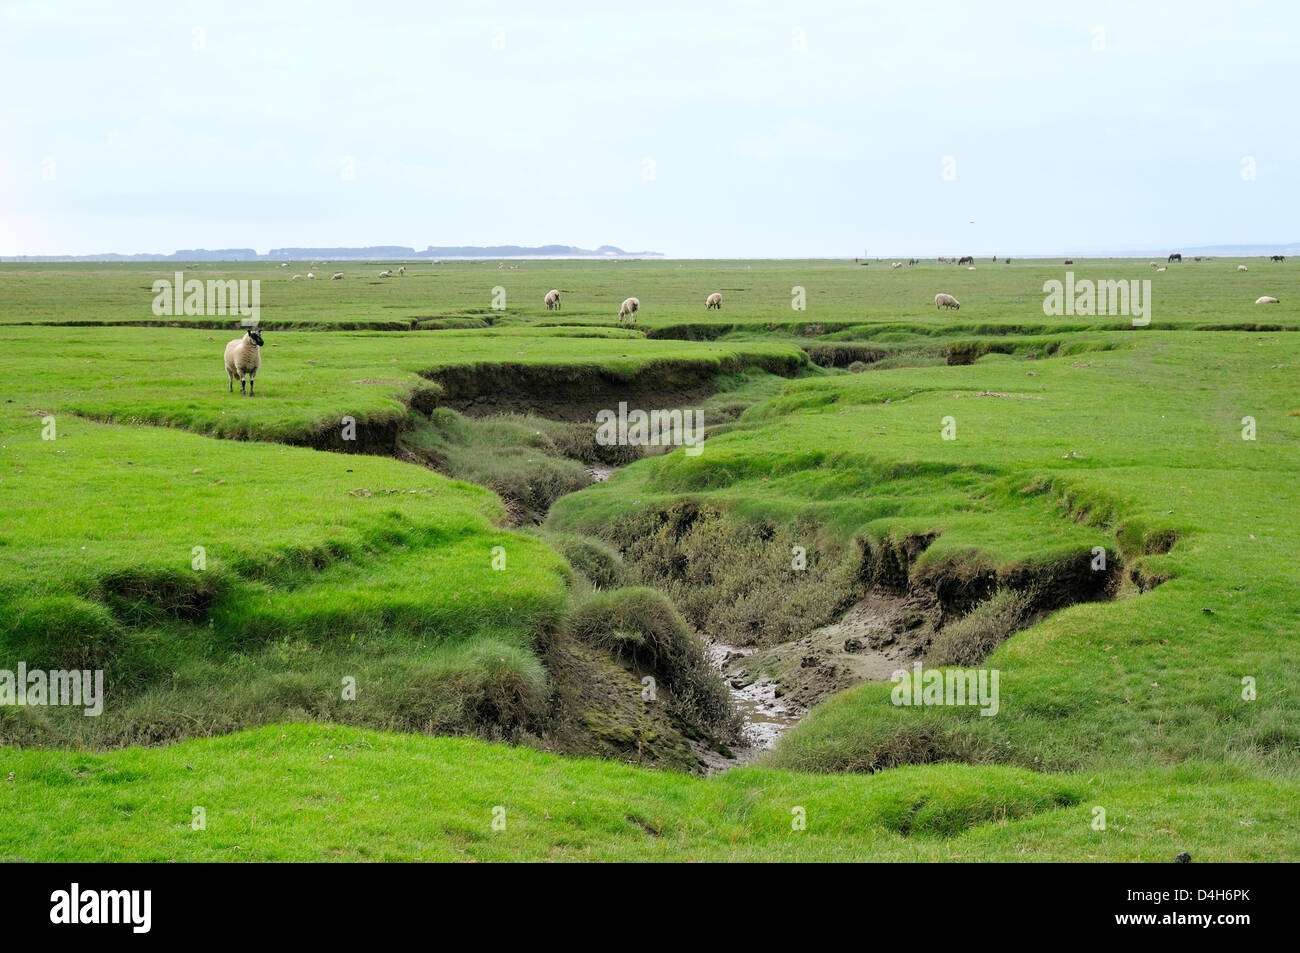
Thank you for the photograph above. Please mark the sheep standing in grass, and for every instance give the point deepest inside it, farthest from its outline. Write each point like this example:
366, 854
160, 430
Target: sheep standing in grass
401, 270
629, 310
1241, 267
243, 358
310, 275
942, 300
713, 302
1266, 299
552, 299
337, 276
295, 277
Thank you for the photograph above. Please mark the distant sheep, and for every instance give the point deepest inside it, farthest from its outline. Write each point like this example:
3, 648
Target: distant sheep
629, 309
1161, 268
385, 274
1266, 299
295, 277
1241, 267
552, 299
243, 358
337, 276
310, 275
401, 270
970, 267
942, 300
713, 302
897, 264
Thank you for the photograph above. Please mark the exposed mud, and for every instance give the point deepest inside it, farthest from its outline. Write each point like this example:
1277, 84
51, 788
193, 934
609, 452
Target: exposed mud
879, 635
577, 393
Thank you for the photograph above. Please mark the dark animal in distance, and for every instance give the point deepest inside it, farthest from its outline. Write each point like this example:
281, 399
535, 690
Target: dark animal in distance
1175, 257
966, 260
1277, 257
1069, 261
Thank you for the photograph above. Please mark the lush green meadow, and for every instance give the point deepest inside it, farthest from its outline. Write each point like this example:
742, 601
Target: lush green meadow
980, 449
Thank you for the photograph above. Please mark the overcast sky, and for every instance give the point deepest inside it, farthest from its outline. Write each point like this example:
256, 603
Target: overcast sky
693, 129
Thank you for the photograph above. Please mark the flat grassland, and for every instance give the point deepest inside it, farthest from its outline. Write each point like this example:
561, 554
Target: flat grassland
227, 566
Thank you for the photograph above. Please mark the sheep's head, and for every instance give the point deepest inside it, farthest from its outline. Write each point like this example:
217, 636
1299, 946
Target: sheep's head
256, 336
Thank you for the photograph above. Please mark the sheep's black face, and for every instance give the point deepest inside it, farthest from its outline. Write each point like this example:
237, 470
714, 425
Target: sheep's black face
256, 335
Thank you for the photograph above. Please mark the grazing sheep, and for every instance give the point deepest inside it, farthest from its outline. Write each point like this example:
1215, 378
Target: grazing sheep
385, 274
1161, 268
713, 302
337, 276
552, 299
295, 277
401, 270
897, 264
1241, 267
310, 275
942, 300
243, 358
1155, 264
629, 309
1266, 299
970, 267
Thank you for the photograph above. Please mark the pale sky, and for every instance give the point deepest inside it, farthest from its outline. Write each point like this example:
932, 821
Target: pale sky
693, 129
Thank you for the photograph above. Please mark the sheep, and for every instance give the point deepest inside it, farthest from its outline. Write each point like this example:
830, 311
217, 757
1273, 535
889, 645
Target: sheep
295, 277
897, 264
1161, 268
629, 309
401, 270
942, 300
385, 274
1155, 265
552, 299
337, 276
310, 275
243, 358
713, 302
1241, 267
970, 267
1266, 299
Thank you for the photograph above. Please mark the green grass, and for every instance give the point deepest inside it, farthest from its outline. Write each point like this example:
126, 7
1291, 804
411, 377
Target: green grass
1071, 433
319, 793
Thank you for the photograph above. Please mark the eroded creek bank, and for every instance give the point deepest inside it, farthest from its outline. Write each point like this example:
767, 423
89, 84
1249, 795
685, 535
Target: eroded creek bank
779, 641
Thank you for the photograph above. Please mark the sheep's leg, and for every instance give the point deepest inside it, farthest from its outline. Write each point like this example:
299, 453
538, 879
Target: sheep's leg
251, 382
232, 383
241, 386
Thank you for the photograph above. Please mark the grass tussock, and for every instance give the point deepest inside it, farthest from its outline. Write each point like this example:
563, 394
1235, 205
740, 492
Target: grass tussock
970, 640
640, 627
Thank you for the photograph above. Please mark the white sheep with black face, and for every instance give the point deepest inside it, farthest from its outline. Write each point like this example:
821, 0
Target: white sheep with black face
713, 302
552, 299
629, 309
243, 358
